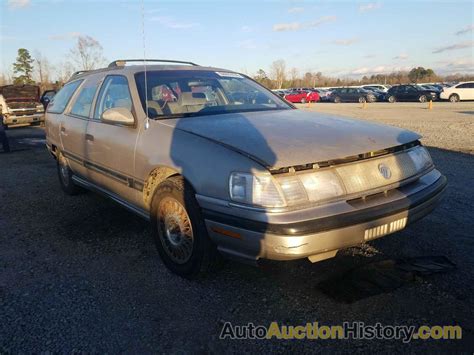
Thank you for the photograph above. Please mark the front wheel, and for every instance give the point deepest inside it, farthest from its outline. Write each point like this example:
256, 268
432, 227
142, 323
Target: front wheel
454, 98
392, 99
303, 100
337, 99
422, 98
179, 231
362, 99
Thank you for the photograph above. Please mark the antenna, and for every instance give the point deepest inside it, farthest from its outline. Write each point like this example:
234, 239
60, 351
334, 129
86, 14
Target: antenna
147, 119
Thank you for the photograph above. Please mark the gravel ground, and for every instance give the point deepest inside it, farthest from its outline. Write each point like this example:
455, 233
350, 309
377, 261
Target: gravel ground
446, 125
82, 274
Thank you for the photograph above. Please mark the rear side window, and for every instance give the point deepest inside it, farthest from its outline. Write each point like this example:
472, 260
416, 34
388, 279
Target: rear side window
113, 93
465, 86
62, 98
83, 103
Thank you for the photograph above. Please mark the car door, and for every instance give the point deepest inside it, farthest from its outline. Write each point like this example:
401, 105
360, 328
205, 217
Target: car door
352, 95
470, 91
73, 126
342, 93
412, 94
110, 147
465, 91
403, 93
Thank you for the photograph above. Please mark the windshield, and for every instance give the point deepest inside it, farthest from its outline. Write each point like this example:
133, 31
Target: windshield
178, 93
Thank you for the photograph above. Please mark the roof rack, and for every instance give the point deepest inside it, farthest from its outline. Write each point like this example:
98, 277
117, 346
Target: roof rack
122, 62
79, 72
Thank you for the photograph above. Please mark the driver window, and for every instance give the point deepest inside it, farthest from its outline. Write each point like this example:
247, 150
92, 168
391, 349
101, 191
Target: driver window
113, 93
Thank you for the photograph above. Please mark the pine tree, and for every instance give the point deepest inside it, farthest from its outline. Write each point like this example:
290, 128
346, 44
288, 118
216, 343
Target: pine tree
23, 67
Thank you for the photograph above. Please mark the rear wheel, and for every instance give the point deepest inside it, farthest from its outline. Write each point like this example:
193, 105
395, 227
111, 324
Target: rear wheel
362, 99
179, 231
392, 99
337, 99
65, 177
303, 100
422, 98
454, 98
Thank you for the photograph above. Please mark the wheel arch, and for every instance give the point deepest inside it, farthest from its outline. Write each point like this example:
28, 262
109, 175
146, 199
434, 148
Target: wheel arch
156, 176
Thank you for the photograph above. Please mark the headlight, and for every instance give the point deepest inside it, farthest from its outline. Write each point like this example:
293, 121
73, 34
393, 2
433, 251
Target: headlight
310, 187
285, 190
421, 158
39, 108
259, 190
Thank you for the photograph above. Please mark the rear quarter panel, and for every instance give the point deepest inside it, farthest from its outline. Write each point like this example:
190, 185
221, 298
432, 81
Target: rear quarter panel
52, 125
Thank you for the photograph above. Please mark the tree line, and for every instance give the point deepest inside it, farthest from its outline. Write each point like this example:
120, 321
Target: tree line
279, 77
87, 54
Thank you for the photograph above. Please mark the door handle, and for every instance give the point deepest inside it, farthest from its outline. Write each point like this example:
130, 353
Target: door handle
89, 137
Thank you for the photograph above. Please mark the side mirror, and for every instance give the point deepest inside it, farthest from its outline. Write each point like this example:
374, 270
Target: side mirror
118, 115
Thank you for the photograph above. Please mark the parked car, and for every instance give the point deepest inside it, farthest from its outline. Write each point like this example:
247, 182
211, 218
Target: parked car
383, 88
302, 96
249, 177
324, 95
458, 92
352, 95
410, 93
20, 104
47, 97
379, 95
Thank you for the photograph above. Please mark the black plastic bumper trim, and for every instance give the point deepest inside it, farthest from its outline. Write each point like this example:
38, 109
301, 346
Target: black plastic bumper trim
318, 225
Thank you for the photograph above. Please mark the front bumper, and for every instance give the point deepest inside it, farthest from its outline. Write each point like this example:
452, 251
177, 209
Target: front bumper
363, 220
444, 95
12, 119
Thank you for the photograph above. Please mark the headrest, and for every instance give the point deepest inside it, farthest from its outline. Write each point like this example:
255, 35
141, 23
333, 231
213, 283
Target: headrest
192, 98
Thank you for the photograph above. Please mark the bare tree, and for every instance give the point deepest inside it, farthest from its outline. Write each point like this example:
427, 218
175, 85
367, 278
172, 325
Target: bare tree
87, 53
42, 68
278, 72
294, 75
64, 72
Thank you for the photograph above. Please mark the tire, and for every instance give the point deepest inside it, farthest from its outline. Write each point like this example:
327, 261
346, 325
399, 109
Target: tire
454, 98
422, 98
337, 100
179, 231
303, 100
392, 99
362, 100
65, 178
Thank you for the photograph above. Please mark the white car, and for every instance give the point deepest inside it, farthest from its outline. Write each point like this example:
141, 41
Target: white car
458, 92
383, 88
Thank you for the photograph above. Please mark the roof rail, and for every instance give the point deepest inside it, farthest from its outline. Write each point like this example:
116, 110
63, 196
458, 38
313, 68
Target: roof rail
79, 72
122, 62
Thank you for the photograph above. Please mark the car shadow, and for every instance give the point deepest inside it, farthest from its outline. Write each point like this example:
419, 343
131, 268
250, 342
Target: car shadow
466, 112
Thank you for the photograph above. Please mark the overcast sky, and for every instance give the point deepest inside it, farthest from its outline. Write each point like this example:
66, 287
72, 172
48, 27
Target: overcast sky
343, 38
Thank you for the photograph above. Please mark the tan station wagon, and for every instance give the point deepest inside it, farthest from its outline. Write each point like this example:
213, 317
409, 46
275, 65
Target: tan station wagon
222, 166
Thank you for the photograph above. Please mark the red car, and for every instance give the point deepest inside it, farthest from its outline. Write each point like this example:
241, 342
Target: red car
302, 96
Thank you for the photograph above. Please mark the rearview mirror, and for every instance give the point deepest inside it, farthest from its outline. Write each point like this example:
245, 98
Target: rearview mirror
118, 115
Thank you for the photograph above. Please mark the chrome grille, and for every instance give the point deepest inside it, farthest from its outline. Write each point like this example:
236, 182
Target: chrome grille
367, 175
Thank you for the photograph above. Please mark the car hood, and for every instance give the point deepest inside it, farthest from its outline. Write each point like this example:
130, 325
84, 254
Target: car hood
293, 137
20, 92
